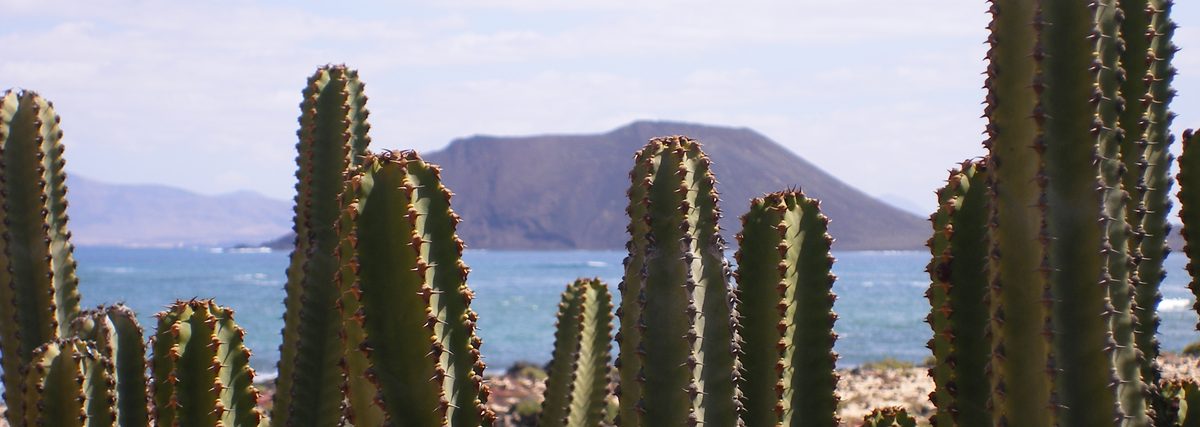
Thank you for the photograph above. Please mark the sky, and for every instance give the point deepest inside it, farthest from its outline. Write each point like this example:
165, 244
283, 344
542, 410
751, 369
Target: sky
884, 95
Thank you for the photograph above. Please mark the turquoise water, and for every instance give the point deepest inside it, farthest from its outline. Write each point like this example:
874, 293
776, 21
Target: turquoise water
880, 296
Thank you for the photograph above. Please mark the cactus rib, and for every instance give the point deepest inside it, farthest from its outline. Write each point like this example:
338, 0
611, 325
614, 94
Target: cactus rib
577, 387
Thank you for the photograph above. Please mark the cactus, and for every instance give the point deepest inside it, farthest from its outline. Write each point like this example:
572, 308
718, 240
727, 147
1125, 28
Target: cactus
686, 343
1021, 384
1146, 123
38, 288
410, 288
629, 362
889, 417
1189, 209
117, 336
333, 137
958, 310
1182, 397
200, 368
785, 299
67, 383
577, 388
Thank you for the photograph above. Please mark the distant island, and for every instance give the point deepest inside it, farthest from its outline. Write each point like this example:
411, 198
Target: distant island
537, 192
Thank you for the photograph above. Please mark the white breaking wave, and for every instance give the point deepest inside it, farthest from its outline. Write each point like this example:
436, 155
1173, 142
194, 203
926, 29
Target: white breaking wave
1174, 304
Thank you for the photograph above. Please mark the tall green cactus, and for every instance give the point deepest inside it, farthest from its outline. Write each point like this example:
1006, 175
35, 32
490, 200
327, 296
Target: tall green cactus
957, 296
1019, 282
889, 417
1189, 209
38, 287
686, 342
629, 362
117, 336
411, 288
785, 299
1076, 221
577, 388
1146, 122
200, 368
67, 383
333, 138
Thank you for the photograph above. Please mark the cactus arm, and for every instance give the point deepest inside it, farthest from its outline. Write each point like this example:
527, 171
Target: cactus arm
939, 318
195, 368
361, 393
667, 373
164, 345
957, 297
441, 249
333, 136
1189, 209
568, 345
629, 364
716, 376
889, 417
1156, 176
761, 293
61, 251
1018, 281
392, 295
237, 397
809, 358
68, 383
1127, 358
590, 391
1074, 215
13, 352
117, 336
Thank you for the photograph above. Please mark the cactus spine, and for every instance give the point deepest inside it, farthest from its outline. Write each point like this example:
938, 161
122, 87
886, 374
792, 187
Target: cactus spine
577, 388
959, 312
786, 302
68, 383
1017, 270
687, 347
200, 369
333, 137
411, 288
117, 336
889, 417
38, 288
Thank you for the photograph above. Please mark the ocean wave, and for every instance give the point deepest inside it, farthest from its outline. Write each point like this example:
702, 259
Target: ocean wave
262, 279
116, 270
1174, 304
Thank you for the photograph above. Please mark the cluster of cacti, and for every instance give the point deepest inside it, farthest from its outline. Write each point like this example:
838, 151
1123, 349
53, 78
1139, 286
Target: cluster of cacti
890, 417
117, 336
1182, 408
1076, 222
67, 383
577, 386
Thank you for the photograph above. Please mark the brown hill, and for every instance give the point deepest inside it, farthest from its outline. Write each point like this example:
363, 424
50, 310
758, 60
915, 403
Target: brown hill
568, 191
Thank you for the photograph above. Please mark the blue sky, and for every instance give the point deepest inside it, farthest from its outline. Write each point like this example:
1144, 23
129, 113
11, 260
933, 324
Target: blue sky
203, 95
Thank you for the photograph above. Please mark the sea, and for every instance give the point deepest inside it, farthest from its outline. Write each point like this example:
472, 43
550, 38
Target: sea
880, 301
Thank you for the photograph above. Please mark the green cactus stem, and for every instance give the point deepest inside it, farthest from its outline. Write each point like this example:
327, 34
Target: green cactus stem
1152, 168
629, 363
958, 309
577, 388
889, 417
1076, 220
117, 336
200, 369
411, 288
1019, 286
785, 300
333, 138
1120, 276
38, 287
688, 345
68, 383
1182, 397
1189, 209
